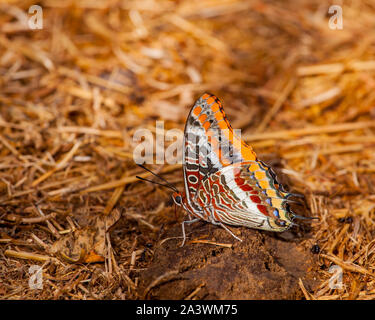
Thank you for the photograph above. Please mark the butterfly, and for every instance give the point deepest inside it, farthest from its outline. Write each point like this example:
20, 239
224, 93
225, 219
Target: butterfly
224, 181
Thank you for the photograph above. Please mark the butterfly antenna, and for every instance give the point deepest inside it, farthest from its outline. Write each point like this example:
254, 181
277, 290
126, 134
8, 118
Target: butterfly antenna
168, 184
160, 184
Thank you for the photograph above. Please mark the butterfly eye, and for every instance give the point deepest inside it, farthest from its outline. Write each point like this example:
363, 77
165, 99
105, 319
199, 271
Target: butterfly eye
178, 199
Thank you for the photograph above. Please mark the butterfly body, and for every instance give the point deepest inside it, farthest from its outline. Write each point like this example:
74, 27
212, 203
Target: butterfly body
225, 183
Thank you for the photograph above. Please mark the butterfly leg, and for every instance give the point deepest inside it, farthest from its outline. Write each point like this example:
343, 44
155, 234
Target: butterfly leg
219, 223
183, 229
226, 228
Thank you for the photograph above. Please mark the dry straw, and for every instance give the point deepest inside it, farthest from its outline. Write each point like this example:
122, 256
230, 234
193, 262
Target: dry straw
73, 93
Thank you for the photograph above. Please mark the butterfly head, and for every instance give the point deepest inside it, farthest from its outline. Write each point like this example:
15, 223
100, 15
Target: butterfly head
177, 198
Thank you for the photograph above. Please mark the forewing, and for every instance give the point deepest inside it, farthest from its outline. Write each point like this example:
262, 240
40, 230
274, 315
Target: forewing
210, 143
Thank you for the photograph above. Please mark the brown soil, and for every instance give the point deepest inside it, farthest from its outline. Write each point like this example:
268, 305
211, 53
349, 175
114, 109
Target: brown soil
263, 266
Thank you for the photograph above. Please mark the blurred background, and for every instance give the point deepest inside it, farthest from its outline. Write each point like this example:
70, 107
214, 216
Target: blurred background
296, 76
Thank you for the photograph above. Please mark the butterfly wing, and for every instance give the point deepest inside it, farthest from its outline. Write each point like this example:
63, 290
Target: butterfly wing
210, 144
246, 194
224, 180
